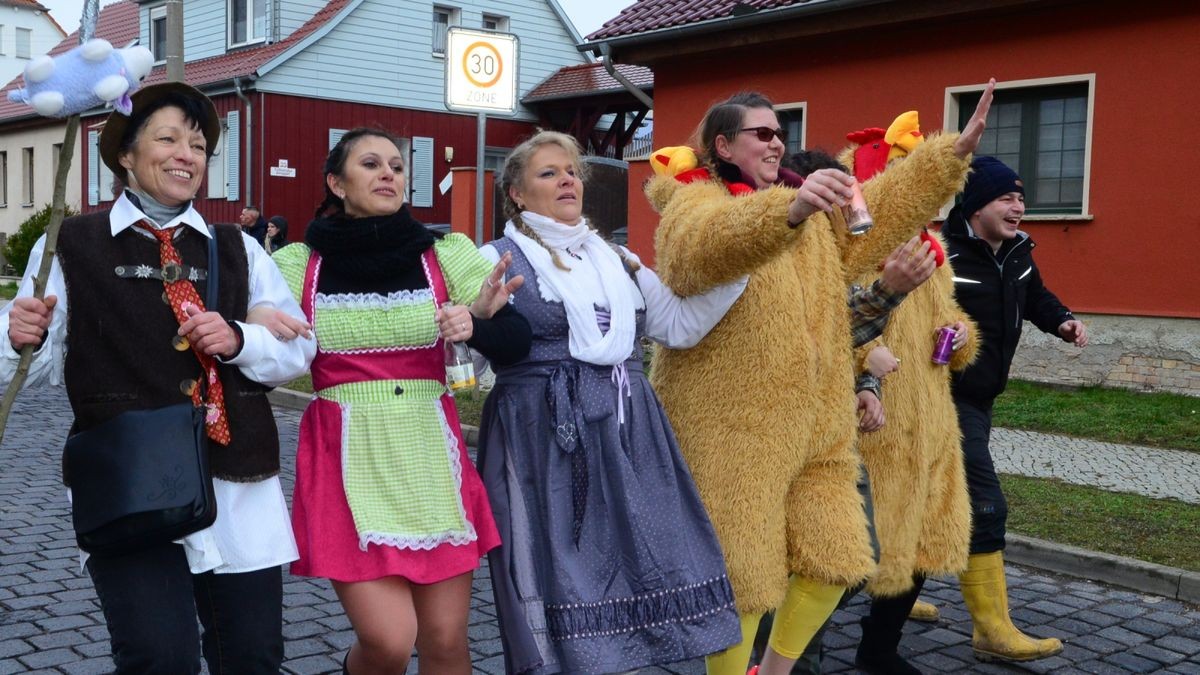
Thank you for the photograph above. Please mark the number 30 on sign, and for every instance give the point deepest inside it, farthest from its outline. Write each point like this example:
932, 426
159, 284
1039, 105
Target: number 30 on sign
481, 69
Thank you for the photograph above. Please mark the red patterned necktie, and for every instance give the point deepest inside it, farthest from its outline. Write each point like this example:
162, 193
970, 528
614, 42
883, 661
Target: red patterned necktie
180, 292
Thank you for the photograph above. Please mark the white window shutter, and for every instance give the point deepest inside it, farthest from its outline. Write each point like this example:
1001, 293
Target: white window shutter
422, 172
335, 135
93, 168
233, 156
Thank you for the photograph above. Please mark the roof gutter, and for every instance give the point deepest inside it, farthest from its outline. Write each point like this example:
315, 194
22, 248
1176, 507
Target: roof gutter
640, 95
724, 24
249, 143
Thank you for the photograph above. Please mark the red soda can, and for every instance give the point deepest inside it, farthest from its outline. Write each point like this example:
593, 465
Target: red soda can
944, 346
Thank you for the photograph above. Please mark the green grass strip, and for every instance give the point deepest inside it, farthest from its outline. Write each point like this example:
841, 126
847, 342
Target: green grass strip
1160, 531
1112, 415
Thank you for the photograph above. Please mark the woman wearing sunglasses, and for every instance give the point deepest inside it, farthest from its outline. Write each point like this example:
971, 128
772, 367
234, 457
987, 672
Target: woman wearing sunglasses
763, 406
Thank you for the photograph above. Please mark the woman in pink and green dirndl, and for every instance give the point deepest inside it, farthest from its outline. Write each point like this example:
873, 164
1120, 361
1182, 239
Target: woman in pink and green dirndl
387, 504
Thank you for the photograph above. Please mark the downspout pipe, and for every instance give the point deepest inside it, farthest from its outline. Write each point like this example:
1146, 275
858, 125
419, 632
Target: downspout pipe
606, 54
249, 142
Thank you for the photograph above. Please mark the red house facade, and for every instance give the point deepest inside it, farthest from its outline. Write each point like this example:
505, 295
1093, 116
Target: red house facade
1094, 107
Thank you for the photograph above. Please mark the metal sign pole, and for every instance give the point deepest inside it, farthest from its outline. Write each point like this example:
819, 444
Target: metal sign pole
480, 136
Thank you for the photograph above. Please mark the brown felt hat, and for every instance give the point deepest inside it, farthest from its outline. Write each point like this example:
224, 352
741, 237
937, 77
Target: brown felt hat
117, 123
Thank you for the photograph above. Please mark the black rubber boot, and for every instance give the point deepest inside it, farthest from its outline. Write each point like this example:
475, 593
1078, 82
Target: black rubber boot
882, 629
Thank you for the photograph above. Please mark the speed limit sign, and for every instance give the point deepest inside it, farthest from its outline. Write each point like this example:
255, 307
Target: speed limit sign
481, 71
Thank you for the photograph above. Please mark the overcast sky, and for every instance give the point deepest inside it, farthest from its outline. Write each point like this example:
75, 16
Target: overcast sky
588, 15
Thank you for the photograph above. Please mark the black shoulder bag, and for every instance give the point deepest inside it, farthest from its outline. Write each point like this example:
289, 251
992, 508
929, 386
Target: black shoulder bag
142, 477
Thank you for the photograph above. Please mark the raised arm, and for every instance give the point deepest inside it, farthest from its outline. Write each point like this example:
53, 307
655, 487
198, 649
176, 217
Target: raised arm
708, 237
909, 193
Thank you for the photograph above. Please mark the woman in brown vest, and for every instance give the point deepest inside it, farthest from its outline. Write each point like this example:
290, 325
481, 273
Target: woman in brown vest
135, 339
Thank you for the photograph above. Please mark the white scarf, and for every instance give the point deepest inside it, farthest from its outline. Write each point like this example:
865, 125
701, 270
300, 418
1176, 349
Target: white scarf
587, 343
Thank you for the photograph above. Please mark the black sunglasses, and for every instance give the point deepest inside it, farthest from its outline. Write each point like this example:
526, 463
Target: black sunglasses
764, 134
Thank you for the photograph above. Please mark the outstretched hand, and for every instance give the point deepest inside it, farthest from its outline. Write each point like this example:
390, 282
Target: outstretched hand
282, 325
495, 291
823, 190
968, 140
908, 266
1075, 332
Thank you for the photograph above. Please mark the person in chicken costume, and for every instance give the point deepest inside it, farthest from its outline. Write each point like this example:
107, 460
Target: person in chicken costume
914, 462
763, 406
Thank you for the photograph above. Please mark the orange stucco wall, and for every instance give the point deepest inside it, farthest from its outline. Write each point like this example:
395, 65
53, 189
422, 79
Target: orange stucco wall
1138, 254
642, 218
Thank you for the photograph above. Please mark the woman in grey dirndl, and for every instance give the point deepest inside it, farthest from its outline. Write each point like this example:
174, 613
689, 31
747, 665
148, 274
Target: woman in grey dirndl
608, 562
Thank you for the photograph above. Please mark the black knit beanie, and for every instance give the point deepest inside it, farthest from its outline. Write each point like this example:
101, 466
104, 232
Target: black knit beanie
989, 178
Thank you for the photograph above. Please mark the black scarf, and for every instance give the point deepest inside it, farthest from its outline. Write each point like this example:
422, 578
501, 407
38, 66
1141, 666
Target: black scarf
369, 249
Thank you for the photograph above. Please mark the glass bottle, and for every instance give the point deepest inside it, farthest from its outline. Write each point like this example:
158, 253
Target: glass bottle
460, 370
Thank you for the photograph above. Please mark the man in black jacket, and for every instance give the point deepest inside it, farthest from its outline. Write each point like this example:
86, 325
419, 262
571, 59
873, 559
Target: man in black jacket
253, 224
998, 284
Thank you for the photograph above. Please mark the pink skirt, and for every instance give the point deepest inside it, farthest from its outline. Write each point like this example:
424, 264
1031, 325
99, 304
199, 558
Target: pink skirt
324, 526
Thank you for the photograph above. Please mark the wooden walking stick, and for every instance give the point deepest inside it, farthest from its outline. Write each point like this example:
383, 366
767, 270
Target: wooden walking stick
87, 28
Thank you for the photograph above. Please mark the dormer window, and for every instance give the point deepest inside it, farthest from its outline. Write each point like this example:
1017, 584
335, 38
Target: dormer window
158, 34
247, 22
443, 19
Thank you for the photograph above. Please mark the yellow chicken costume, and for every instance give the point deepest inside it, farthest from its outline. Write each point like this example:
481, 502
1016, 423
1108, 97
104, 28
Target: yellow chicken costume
922, 513
763, 406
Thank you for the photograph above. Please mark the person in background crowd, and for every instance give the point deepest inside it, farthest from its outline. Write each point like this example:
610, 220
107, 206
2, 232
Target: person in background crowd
277, 229
252, 222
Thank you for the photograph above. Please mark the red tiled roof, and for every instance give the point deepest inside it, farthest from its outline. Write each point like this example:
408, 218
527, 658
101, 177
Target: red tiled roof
24, 3
117, 23
586, 79
647, 15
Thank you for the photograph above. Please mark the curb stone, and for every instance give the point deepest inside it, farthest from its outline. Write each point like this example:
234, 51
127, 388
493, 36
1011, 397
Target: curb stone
1130, 573
1137, 575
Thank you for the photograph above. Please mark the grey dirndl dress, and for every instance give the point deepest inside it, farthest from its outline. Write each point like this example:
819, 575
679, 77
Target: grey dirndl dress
608, 561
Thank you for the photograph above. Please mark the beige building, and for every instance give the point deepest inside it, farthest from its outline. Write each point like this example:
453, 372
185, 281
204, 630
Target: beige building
28, 162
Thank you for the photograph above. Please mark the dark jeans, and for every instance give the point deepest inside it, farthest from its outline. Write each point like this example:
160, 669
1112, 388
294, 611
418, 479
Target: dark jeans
988, 506
150, 600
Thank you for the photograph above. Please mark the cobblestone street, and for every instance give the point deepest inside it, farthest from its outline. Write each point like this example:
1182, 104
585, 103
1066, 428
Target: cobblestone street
50, 621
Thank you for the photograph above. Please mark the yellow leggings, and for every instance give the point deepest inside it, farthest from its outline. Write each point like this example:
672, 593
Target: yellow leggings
805, 608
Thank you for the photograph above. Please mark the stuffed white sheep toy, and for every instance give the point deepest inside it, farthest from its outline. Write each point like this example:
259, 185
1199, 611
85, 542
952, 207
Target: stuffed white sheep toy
83, 78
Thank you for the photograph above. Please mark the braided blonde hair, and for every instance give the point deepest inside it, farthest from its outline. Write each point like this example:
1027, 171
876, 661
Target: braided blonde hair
513, 176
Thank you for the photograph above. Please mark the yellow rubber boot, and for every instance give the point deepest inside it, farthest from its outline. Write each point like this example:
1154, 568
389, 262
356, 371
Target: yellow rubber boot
995, 637
923, 611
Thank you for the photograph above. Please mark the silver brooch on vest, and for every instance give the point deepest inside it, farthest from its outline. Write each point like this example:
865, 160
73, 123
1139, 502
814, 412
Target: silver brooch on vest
169, 273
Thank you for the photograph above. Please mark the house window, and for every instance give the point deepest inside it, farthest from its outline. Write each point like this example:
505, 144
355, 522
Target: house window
158, 33
217, 188
27, 177
3, 178
1, 39
443, 18
247, 21
791, 120
495, 22
24, 43
1041, 133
